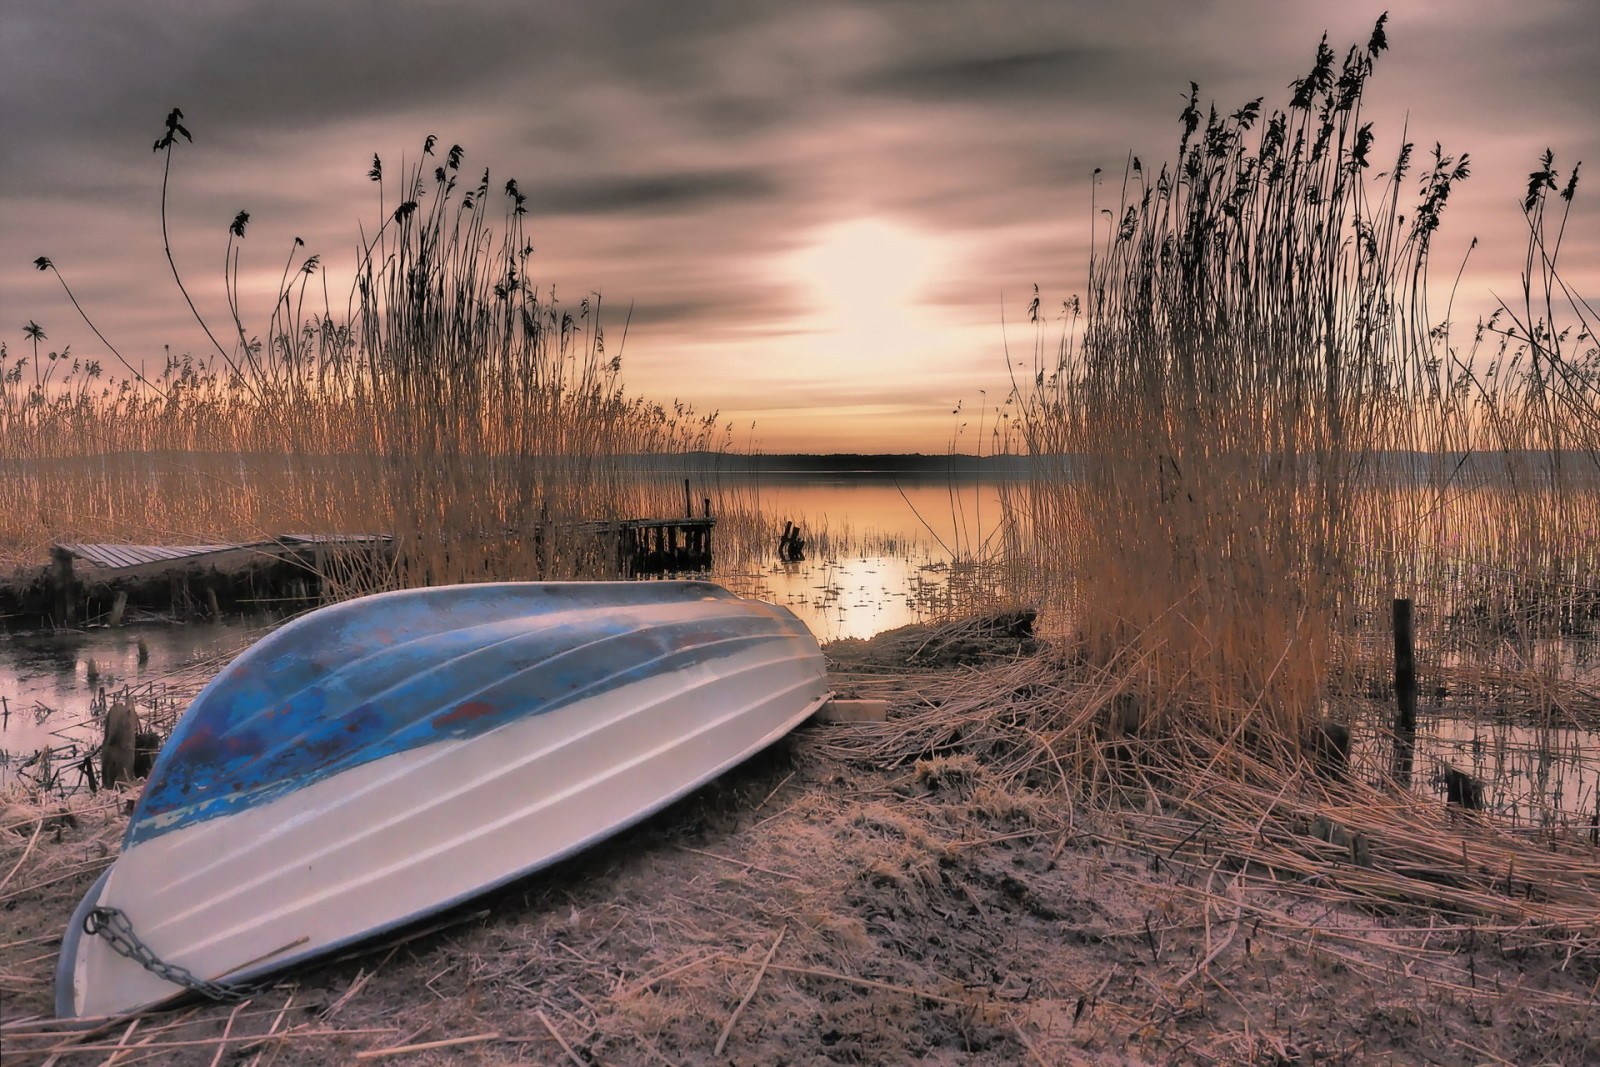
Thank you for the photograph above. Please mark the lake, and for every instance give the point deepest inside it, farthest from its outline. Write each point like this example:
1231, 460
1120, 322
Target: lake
883, 551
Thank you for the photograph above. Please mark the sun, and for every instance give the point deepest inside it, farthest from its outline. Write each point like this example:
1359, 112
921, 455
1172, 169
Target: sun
865, 281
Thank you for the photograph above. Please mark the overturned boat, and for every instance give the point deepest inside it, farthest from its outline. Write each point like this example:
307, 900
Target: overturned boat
385, 758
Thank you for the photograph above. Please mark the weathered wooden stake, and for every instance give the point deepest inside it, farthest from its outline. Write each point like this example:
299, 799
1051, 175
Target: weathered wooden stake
791, 546
119, 607
1405, 692
116, 752
1327, 748
688, 501
61, 581
1462, 790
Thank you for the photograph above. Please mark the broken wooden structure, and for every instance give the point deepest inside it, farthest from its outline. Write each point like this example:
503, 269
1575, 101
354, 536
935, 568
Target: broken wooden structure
107, 583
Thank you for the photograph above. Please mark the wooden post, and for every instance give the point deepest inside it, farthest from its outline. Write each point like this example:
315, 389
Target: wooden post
688, 501
791, 547
1462, 790
117, 750
1405, 692
61, 583
118, 608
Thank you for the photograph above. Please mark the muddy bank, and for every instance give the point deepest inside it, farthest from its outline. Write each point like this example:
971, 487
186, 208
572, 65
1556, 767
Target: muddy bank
826, 903
971, 642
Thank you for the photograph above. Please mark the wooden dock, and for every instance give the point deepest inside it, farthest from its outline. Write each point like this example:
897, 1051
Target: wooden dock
107, 583
650, 547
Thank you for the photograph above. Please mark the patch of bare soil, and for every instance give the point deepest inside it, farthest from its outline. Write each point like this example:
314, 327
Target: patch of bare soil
822, 905
972, 642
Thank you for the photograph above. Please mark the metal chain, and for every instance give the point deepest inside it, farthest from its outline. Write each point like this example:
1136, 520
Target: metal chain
113, 925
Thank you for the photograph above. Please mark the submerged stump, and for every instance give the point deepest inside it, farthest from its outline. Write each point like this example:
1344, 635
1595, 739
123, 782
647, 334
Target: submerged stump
118, 751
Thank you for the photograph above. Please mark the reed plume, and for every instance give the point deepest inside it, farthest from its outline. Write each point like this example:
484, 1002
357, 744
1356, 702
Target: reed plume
451, 402
1252, 344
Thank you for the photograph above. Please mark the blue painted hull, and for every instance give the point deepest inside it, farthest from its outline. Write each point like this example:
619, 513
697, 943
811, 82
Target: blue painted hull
384, 758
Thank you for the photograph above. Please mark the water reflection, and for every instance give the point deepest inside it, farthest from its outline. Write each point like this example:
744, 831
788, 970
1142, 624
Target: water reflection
950, 517
890, 550
855, 597
1529, 773
50, 681
903, 550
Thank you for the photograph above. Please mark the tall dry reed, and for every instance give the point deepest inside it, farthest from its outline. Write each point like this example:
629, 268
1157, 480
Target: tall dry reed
1251, 434
450, 401
1519, 517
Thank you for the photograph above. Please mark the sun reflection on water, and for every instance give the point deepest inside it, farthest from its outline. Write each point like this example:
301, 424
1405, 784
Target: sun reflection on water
852, 597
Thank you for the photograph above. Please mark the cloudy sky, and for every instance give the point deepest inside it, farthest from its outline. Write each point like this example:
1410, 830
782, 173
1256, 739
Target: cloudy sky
828, 217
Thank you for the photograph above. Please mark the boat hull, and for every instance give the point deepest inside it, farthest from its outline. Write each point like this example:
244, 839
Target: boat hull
232, 889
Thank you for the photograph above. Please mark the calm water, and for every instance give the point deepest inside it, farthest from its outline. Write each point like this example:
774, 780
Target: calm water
50, 682
47, 694
1529, 773
898, 545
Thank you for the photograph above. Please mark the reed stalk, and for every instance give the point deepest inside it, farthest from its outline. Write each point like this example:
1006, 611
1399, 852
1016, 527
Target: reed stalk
1252, 434
452, 402
1250, 319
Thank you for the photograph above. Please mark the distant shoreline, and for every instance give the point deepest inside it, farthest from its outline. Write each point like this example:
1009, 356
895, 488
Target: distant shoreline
1446, 465
837, 463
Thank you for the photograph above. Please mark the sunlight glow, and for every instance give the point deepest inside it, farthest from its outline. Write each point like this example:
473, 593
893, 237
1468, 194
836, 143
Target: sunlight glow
865, 278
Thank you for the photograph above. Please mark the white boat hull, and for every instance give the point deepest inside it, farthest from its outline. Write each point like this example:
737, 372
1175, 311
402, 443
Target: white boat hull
383, 843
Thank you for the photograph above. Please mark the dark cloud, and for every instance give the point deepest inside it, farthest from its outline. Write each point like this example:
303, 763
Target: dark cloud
662, 193
286, 63
732, 117
665, 313
982, 77
681, 156
708, 312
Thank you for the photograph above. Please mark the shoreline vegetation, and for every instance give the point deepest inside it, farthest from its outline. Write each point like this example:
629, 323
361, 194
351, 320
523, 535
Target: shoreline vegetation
1174, 828
446, 400
1256, 339
918, 890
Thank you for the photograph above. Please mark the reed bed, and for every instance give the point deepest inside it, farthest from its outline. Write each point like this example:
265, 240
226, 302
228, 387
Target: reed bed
450, 402
1033, 724
1252, 436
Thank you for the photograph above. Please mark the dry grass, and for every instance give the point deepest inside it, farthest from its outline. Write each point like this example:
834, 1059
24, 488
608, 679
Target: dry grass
450, 401
1036, 725
952, 886
1256, 437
